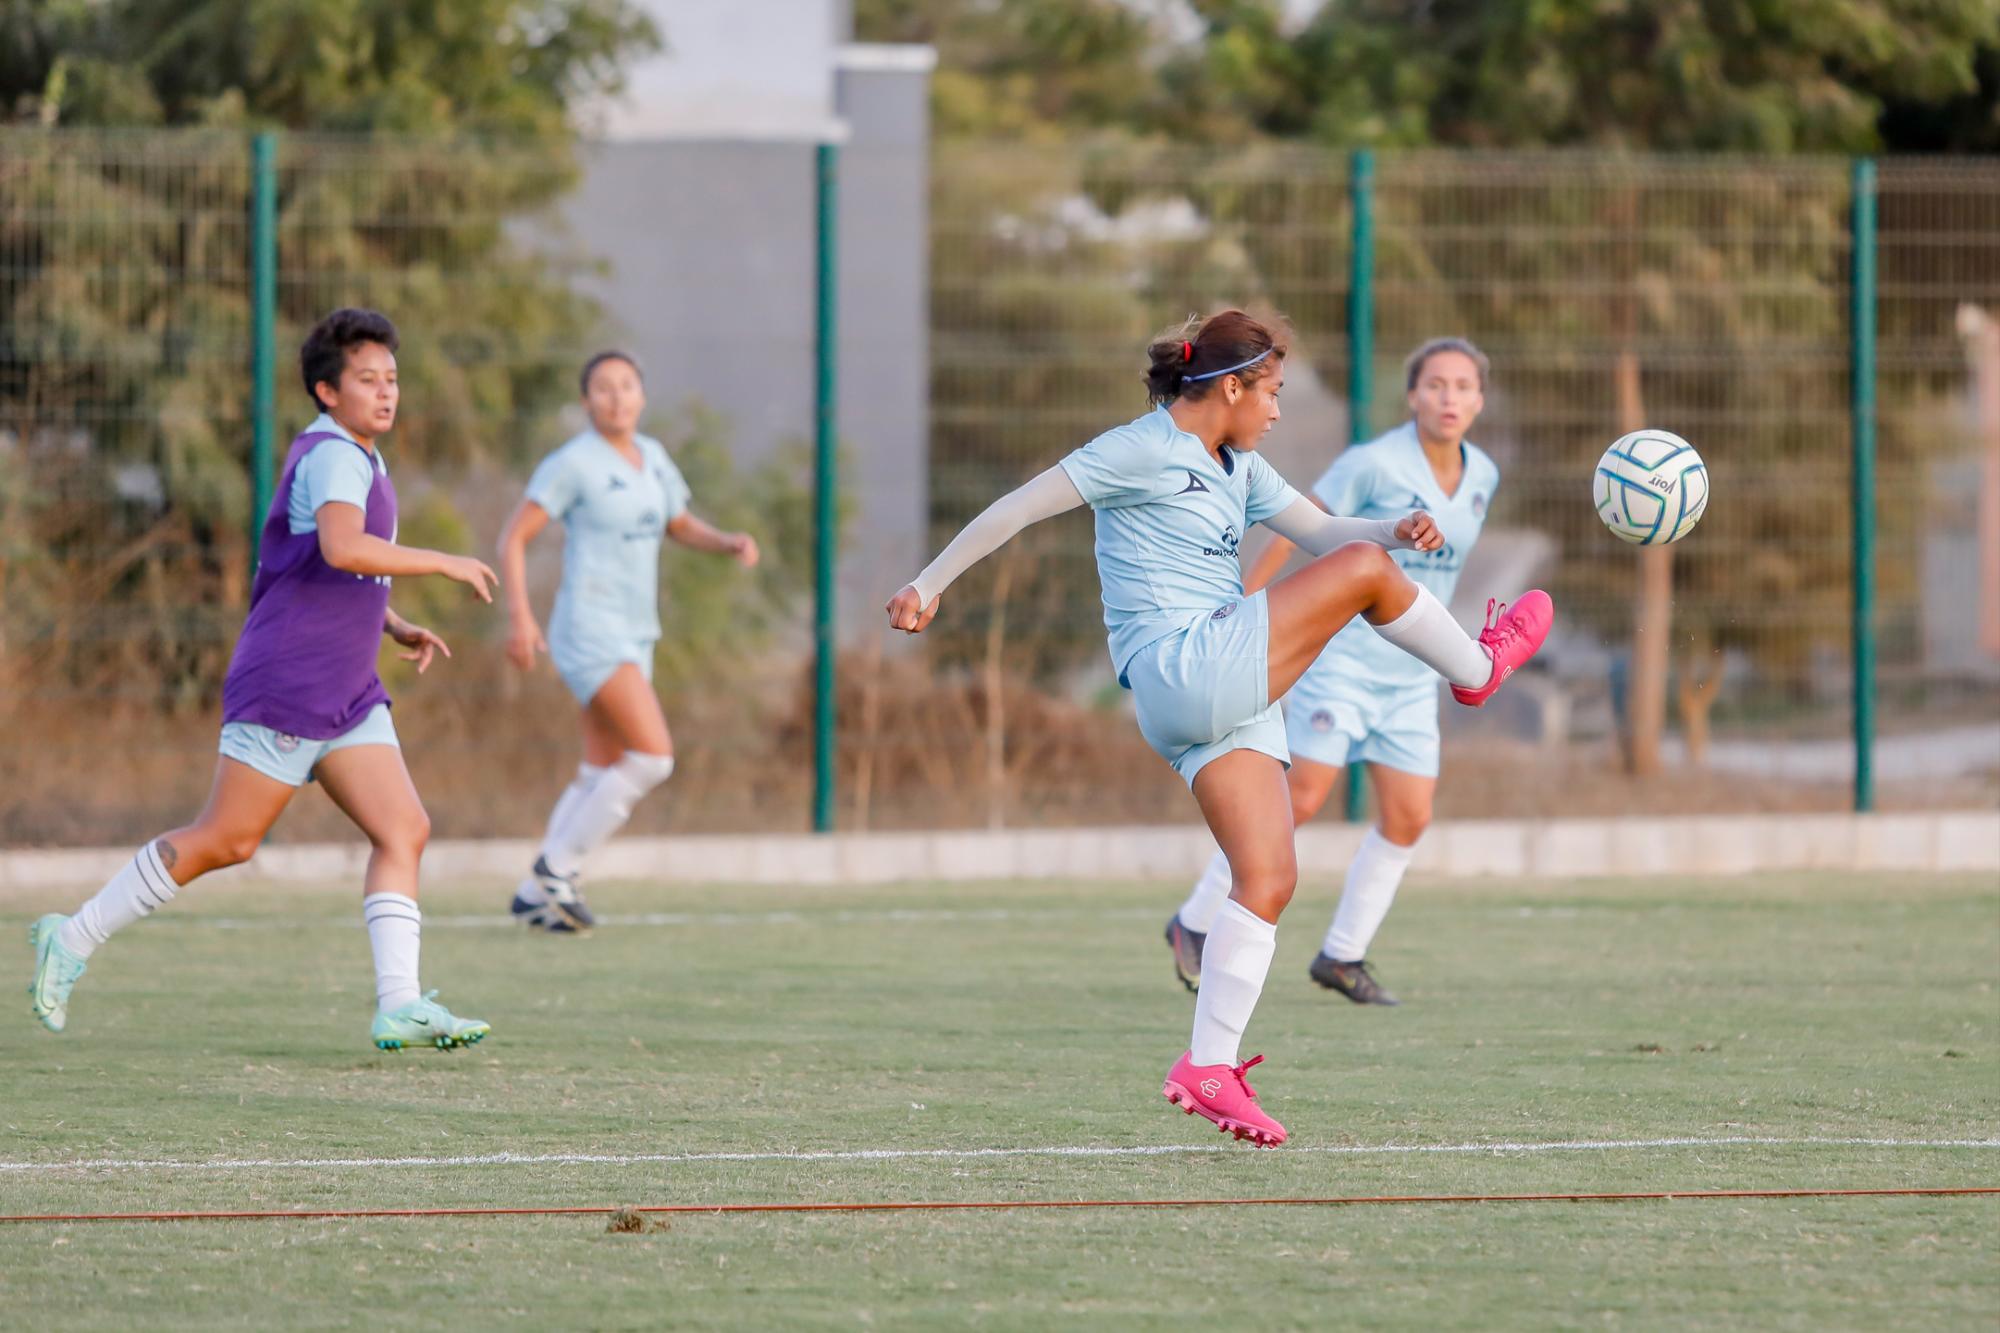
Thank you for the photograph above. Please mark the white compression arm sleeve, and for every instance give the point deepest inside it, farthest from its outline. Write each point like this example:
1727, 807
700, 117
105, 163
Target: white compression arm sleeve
1047, 495
1312, 529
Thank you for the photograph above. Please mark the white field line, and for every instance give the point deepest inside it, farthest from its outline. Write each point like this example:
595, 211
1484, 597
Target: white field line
962, 1154
849, 916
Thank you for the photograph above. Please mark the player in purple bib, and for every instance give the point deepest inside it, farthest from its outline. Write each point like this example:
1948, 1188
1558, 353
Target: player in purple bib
302, 701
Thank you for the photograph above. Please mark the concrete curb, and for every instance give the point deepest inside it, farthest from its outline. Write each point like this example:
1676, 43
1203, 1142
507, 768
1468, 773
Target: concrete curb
1966, 841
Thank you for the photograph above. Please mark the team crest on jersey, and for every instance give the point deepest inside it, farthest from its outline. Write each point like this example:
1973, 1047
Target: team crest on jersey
1479, 504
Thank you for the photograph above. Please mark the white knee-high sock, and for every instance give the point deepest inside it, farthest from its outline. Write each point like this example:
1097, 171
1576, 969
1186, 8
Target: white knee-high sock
603, 810
1210, 892
579, 787
1234, 963
395, 934
140, 888
1428, 633
565, 806
1372, 879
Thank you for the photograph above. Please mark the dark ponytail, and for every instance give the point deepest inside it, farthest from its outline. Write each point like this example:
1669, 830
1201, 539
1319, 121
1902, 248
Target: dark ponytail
1193, 357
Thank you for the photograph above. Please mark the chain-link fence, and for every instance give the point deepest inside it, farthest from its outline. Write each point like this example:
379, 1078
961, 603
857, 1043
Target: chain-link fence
1710, 297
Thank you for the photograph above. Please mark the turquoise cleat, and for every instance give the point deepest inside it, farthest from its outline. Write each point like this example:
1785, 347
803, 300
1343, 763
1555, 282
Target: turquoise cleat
425, 1022
56, 971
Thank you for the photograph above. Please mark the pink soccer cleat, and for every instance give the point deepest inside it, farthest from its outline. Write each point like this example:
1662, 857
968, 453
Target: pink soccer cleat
1512, 636
1220, 1093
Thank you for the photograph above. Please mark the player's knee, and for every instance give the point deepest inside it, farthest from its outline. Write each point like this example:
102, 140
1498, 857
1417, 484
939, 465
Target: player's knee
407, 836
217, 849
1266, 890
1404, 825
1364, 560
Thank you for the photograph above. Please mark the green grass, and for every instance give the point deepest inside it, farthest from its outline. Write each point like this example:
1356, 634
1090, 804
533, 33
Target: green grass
1020, 1015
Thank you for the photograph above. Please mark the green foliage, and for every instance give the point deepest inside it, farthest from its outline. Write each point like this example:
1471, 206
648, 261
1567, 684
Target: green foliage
124, 302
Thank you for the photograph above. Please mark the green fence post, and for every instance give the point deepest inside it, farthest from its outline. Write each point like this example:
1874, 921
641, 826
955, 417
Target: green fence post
263, 326
1360, 357
1861, 360
824, 508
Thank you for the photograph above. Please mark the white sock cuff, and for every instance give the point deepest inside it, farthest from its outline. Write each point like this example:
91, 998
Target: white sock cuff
1418, 609
1253, 926
587, 773
1373, 843
386, 906
156, 886
644, 771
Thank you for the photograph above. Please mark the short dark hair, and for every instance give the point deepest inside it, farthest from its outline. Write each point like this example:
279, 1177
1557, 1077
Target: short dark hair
590, 368
323, 355
1413, 369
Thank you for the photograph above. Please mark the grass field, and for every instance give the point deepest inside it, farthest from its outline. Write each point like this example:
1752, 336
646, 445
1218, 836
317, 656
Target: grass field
1813, 1012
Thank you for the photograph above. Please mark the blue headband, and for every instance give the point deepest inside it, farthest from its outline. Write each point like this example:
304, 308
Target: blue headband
1227, 370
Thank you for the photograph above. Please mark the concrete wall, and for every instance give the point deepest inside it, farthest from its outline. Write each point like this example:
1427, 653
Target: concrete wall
708, 249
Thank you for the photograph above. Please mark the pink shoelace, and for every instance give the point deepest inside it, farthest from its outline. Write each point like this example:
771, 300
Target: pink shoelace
1239, 1071
1496, 634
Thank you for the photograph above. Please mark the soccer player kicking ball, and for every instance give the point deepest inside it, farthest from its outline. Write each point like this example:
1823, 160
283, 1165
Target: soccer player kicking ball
302, 701
1173, 492
616, 493
1365, 701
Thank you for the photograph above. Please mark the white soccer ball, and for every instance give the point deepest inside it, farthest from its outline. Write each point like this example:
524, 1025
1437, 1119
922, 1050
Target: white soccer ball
1651, 487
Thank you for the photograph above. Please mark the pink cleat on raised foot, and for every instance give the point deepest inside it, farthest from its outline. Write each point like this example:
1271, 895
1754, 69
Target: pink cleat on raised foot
1220, 1093
1512, 636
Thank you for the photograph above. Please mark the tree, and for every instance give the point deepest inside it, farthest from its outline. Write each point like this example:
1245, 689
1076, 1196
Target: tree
124, 307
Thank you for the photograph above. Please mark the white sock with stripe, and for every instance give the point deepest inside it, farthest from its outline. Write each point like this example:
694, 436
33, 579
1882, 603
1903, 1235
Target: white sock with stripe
395, 933
1234, 963
1372, 880
579, 787
1428, 633
141, 888
1210, 892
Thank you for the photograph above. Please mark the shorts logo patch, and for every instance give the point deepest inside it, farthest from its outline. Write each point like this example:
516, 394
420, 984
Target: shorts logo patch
286, 744
1223, 612
1322, 720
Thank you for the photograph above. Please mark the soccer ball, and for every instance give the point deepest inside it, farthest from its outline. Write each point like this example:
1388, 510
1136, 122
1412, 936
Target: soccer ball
1651, 487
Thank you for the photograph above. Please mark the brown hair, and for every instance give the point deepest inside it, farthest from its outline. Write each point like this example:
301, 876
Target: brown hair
1189, 360
1413, 369
323, 355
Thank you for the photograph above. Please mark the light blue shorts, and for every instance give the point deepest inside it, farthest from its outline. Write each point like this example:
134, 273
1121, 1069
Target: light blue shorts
1334, 719
292, 759
585, 666
1205, 690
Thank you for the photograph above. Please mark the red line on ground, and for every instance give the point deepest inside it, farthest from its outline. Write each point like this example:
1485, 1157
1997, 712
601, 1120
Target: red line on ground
995, 1205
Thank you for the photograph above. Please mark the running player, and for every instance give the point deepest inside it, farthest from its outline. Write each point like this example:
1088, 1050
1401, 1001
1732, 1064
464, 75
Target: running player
1173, 492
302, 701
615, 492
1364, 701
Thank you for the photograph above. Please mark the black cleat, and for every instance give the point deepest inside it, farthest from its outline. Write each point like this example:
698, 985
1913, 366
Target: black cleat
563, 901
540, 916
1186, 945
1353, 980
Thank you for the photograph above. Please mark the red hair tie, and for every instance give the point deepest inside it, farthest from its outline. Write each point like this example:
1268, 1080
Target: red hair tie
1187, 353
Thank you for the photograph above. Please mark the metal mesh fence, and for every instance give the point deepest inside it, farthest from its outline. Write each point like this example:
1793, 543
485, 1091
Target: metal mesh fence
1705, 296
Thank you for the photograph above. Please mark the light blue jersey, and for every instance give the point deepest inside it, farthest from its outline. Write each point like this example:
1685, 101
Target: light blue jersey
614, 516
1169, 520
1387, 478
330, 473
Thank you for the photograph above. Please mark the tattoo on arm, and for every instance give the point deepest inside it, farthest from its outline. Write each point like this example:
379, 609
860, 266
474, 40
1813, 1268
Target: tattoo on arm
168, 854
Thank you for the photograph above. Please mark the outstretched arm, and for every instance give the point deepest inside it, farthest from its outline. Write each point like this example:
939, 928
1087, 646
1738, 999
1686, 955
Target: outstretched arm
697, 534
344, 543
1305, 524
1047, 495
